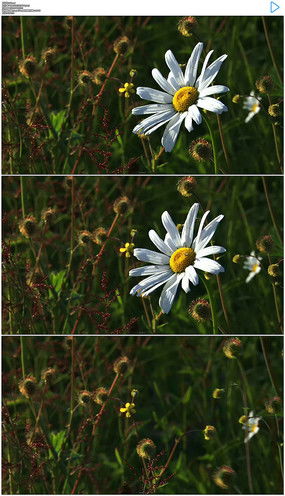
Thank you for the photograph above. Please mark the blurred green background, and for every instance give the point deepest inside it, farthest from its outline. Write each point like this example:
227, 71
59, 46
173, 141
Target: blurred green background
52, 283
53, 125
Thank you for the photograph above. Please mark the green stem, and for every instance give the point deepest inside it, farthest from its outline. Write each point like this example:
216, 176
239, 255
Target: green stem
23, 357
275, 140
22, 197
271, 51
214, 318
22, 37
213, 145
223, 141
270, 210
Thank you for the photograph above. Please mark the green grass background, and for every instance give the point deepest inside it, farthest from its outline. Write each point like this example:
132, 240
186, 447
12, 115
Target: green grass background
97, 292
175, 378
102, 141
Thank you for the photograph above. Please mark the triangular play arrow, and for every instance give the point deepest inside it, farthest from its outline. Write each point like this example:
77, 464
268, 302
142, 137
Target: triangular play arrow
274, 7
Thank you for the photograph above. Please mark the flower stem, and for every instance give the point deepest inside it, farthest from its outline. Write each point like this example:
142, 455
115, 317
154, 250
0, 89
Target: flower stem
275, 140
270, 50
223, 141
213, 145
270, 210
214, 318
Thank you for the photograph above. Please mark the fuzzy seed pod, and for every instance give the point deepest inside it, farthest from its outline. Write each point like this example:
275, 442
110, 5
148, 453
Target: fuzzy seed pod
121, 365
243, 419
186, 186
221, 476
217, 393
85, 397
99, 76
100, 395
122, 45
237, 259
84, 78
47, 215
273, 270
47, 375
122, 205
209, 432
28, 226
145, 448
100, 235
231, 347
200, 310
236, 99
265, 244
274, 110
187, 26
273, 405
48, 55
85, 237
28, 386
264, 84
201, 150
28, 67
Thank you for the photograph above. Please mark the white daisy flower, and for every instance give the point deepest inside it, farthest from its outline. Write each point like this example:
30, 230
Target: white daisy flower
252, 263
252, 104
181, 98
251, 426
180, 256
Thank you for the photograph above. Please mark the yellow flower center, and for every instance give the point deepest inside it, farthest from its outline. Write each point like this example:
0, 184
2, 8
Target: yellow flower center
184, 98
254, 107
181, 258
255, 267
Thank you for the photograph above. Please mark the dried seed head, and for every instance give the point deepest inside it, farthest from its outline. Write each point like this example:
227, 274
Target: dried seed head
122, 205
273, 270
200, 310
236, 98
100, 395
68, 21
85, 397
243, 419
68, 181
47, 215
28, 386
231, 347
84, 78
274, 110
121, 365
122, 45
100, 235
273, 405
237, 259
217, 393
28, 67
48, 374
85, 237
209, 432
48, 55
264, 84
146, 448
28, 226
186, 185
265, 244
222, 475
201, 150
187, 25
99, 76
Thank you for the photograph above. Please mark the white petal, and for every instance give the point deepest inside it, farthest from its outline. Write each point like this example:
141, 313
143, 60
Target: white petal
168, 241
189, 122
153, 95
192, 274
192, 65
189, 224
185, 283
159, 124
208, 265
210, 250
152, 108
250, 276
207, 233
148, 270
157, 241
174, 68
172, 130
168, 293
212, 105
171, 80
249, 117
145, 255
171, 228
150, 281
211, 90
153, 288
210, 73
200, 78
196, 240
165, 85
157, 119
195, 114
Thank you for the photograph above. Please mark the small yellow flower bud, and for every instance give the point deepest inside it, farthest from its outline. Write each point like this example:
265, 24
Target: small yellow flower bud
236, 99
237, 259
217, 393
209, 432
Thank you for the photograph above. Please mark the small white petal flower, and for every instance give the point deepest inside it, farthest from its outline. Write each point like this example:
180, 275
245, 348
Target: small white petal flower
181, 254
252, 104
251, 426
252, 263
181, 98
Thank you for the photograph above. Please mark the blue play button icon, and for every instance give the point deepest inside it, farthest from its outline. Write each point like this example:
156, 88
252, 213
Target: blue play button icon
274, 7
